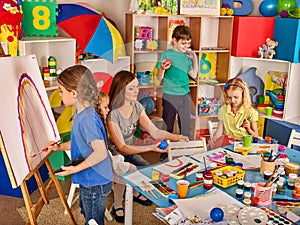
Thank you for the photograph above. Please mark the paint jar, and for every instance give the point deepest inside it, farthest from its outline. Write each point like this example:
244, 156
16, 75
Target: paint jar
247, 186
267, 174
199, 176
291, 181
247, 195
155, 175
255, 140
208, 180
165, 177
240, 184
239, 193
291, 167
279, 184
281, 148
247, 202
268, 139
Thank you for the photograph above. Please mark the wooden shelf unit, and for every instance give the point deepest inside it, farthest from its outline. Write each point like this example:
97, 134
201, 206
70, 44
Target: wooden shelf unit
209, 34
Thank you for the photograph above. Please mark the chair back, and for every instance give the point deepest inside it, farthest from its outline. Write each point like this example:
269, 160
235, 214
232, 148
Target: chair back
212, 127
294, 139
177, 149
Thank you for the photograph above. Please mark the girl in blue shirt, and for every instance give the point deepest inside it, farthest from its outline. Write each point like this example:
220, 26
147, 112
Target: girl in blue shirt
88, 140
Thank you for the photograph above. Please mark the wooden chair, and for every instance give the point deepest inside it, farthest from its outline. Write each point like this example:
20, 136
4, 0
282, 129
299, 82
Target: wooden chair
177, 149
294, 139
212, 127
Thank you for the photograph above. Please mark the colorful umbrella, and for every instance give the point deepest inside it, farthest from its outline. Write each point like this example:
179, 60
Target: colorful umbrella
93, 31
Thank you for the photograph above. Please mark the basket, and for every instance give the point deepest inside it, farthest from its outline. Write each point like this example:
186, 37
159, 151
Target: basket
225, 181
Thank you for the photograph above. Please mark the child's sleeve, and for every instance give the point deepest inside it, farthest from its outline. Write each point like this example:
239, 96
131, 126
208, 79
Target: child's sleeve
253, 115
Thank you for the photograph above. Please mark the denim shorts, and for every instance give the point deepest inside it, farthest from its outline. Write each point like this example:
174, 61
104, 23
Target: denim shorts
93, 202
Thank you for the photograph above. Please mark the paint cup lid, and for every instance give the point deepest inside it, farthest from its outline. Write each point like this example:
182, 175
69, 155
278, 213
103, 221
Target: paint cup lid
255, 200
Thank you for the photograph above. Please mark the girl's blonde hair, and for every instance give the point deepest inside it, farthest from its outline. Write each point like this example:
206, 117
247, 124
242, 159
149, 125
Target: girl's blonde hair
234, 84
101, 96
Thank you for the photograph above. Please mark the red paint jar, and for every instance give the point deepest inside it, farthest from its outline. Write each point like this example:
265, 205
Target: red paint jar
208, 180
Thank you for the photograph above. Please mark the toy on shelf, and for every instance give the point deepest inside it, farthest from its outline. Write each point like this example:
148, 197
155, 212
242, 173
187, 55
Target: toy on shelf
208, 106
267, 51
277, 98
255, 84
226, 10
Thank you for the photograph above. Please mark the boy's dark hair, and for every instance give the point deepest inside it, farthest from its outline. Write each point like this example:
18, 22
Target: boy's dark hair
182, 32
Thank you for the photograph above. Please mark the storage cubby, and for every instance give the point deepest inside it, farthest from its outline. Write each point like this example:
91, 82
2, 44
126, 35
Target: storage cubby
62, 48
291, 111
210, 34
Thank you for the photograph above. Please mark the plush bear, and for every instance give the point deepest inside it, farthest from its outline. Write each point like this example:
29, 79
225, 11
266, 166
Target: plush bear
267, 50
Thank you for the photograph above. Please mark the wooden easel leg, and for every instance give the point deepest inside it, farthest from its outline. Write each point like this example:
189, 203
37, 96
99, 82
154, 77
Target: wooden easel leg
28, 204
60, 192
41, 187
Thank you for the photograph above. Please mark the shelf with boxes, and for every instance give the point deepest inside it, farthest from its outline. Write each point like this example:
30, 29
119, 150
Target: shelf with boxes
149, 35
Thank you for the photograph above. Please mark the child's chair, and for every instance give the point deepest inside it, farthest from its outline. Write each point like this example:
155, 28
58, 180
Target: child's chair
294, 139
212, 127
177, 149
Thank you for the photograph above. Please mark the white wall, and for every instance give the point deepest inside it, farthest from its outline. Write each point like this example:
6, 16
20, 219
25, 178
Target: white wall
116, 9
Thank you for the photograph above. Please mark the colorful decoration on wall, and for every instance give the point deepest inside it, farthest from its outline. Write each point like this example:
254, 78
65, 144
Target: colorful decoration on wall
100, 37
10, 24
243, 10
208, 65
39, 18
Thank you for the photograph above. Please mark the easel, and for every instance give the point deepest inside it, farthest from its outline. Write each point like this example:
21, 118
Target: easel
34, 210
2, 53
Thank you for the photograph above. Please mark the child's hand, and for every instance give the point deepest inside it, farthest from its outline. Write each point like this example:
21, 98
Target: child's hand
165, 64
246, 124
67, 170
184, 138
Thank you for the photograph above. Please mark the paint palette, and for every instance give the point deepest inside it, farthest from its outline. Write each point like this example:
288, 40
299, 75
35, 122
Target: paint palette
276, 218
184, 170
252, 216
163, 188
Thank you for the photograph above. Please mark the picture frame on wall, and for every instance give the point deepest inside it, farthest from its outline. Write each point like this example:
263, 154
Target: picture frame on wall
200, 7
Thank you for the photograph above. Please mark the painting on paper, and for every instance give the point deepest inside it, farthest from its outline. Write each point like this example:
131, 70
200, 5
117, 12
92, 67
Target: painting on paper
27, 122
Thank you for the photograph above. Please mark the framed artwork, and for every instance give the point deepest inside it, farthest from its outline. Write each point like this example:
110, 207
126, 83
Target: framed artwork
200, 7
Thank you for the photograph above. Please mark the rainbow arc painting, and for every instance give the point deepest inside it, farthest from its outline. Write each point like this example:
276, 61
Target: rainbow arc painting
27, 123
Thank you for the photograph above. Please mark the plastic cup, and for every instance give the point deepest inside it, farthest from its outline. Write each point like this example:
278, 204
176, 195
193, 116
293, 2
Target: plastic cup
182, 188
247, 139
269, 111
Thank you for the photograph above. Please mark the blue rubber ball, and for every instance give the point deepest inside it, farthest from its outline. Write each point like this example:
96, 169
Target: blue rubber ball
163, 145
217, 214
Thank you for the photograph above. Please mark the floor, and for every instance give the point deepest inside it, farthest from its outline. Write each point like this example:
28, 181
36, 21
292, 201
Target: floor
8, 204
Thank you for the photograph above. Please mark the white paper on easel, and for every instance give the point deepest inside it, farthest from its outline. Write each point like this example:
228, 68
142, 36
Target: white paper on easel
202, 205
27, 122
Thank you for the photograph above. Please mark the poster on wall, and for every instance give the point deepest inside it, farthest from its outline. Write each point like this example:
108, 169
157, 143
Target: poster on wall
27, 122
200, 7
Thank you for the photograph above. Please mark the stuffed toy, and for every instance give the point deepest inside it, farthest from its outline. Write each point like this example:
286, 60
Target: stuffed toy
267, 50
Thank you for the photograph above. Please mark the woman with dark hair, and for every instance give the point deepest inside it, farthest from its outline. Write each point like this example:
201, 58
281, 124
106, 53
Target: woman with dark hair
126, 115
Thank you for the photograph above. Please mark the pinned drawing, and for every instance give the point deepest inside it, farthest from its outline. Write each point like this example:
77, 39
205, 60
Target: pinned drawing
27, 123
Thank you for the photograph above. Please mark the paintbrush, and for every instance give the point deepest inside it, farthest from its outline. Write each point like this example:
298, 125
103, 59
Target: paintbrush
45, 149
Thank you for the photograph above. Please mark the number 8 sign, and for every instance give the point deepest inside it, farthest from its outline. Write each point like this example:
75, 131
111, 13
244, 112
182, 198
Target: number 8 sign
39, 18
